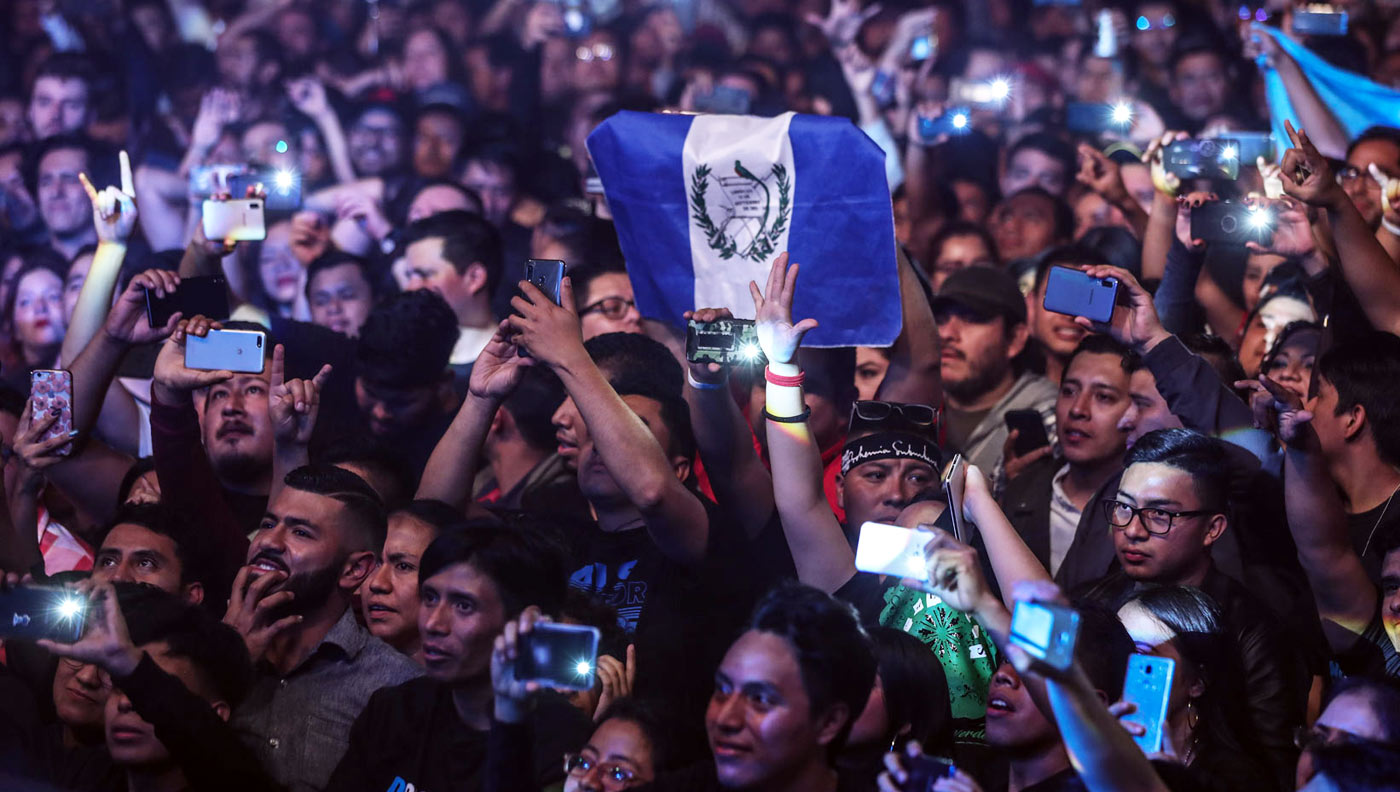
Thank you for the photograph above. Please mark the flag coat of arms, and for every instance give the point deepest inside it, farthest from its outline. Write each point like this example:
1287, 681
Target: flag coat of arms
704, 204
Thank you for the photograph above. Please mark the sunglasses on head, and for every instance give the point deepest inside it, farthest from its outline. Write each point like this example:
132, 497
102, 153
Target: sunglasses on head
918, 416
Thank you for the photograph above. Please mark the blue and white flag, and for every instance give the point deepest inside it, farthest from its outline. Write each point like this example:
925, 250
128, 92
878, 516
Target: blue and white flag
704, 204
1356, 102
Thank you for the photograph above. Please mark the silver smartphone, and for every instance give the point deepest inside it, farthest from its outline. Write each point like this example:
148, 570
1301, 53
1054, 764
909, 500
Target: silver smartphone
239, 220
1148, 684
954, 484
894, 550
239, 351
1045, 631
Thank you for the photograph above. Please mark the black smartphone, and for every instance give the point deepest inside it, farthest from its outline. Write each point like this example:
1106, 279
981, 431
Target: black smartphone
924, 771
558, 656
724, 341
1031, 428
29, 613
1073, 293
1211, 158
954, 487
1090, 117
546, 275
1231, 222
200, 295
1045, 631
1250, 146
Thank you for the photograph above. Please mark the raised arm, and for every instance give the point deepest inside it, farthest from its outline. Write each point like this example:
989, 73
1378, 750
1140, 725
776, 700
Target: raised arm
1103, 176
308, 94
1160, 230
114, 216
1012, 561
292, 407
1313, 113
649, 478
913, 376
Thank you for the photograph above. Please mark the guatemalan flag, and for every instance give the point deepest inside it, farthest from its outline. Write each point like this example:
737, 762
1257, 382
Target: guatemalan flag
704, 204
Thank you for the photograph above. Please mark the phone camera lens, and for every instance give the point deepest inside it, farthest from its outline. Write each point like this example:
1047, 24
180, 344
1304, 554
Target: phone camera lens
1229, 224
252, 206
1206, 148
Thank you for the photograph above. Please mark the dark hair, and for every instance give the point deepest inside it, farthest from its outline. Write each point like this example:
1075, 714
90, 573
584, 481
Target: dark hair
832, 650
527, 568
1217, 352
361, 501
916, 689
532, 404
1100, 344
34, 260
1289, 330
139, 468
216, 650
1074, 256
1384, 134
1197, 44
650, 721
960, 228
637, 364
334, 258
583, 276
1357, 766
397, 209
1047, 144
1383, 696
1116, 246
496, 153
67, 66
369, 452
407, 340
1203, 458
1364, 372
1102, 647
466, 239
194, 550
1062, 213
441, 516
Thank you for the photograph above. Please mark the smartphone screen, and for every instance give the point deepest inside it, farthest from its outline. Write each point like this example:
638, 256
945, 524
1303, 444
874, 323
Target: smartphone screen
559, 656
894, 550
1148, 684
1071, 292
723, 341
32, 612
52, 389
1030, 430
1045, 631
201, 295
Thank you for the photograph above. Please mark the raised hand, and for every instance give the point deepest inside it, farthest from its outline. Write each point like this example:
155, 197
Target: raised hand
254, 613
1307, 175
617, 678
113, 208
843, 21
511, 693
1013, 465
310, 236
293, 404
171, 375
549, 332
105, 642
708, 373
953, 573
1136, 325
1166, 183
1292, 236
1102, 175
1276, 408
217, 108
308, 95
127, 321
772, 307
498, 368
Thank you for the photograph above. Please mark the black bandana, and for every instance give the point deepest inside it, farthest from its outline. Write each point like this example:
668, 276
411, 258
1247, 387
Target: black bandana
889, 445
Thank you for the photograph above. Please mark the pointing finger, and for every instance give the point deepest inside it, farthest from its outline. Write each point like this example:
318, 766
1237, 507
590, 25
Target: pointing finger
128, 183
87, 186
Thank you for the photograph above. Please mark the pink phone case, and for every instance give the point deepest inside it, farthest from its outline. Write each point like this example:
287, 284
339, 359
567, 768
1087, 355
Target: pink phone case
53, 390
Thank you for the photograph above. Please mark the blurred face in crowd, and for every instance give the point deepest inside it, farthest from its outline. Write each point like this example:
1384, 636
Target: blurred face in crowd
17, 206
1257, 267
132, 741
309, 538
73, 285
390, 597
1093, 397
153, 25
12, 129
760, 722
1015, 724
58, 105
976, 352
237, 60
278, 267
38, 319
871, 365
436, 141
1057, 333
1031, 167
1147, 410
80, 692
341, 298
878, 491
1292, 365
1185, 549
1200, 85
375, 141
974, 202
959, 252
1154, 33
596, 66
62, 201
1356, 178
1092, 211
616, 743
425, 62
459, 618
1265, 326
393, 408
427, 269
1390, 600
133, 553
1349, 715
1100, 80
296, 32
1023, 225
262, 141
439, 198
496, 186
237, 432
607, 306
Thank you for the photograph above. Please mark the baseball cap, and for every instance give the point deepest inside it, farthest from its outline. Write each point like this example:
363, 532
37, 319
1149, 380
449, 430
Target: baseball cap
984, 291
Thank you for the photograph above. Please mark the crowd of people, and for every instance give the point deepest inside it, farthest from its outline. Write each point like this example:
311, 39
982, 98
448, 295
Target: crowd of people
321, 574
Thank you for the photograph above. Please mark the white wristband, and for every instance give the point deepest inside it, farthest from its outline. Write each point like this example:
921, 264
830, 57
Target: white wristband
704, 386
1391, 227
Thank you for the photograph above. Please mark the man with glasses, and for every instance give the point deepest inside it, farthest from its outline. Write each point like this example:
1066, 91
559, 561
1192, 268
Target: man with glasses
376, 141
1378, 146
603, 296
1171, 506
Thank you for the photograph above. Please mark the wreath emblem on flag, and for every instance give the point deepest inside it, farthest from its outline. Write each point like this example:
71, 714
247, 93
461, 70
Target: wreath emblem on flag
749, 225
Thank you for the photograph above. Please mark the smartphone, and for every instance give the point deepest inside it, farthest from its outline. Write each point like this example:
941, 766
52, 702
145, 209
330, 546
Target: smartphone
727, 342
1325, 21
200, 295
559, 656
724, 100
29, 613
52, 389
1231, 222
882, 88
954, 485
207, 180
1209, 158
1090, 117
1045, 631
281, 187
1071, 292
546, 275
239, 351
990, 94
924, 771
893, 550
1250, 146
956, 121
239, 220
1031, 430
1148, 684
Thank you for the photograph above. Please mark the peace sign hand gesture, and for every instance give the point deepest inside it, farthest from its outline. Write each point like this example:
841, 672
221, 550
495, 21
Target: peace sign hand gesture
113, 209
1306, 174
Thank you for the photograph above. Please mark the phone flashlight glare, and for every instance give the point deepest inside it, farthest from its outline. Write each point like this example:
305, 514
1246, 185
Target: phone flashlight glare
583, 667
69, 607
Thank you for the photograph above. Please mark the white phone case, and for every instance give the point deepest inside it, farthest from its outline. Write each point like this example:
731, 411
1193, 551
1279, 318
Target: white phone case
238, 220
892, 550
239, 351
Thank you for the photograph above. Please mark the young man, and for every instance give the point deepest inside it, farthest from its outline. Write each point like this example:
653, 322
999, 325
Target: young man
605, 300
63, 203
291, 603
150, 544
340, 292
1028, 222
60, 101
389, 598
1378, 146
1038, 160
458, 255
1200, 83
1360, 710
432, 733
982, 328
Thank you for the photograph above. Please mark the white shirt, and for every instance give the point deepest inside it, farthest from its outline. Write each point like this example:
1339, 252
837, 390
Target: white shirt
1064, 520
470, 342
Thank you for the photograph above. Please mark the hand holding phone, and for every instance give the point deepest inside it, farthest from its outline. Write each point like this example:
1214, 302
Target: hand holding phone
924, 771
1029, 428
558, 656
1148, 687
32, 613
954, 485
1046, 632
239, 351
884, 549
726, 342
200, 295
546, 275
51, 392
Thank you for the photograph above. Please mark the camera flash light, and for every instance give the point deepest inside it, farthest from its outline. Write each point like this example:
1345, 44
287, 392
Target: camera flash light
1260, 219
1122, 113
583, 668
960, 121
283, 180
1001, 88
69, 607
749, 351
1229, 153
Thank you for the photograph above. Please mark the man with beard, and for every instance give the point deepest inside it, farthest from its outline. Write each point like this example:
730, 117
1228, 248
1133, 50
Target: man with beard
981, 319
316, 666
62, 201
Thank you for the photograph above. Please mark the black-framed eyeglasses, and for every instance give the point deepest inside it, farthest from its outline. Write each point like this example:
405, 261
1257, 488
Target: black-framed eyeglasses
614, 775
611, 307
875, 412
1305, 737
1157, 521
1350, 173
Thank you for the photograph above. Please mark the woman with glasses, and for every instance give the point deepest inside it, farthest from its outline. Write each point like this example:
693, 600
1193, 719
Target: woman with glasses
625, 751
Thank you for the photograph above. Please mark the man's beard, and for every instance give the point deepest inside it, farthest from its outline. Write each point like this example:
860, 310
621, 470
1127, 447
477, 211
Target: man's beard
980, 380
238, 466
310, 590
